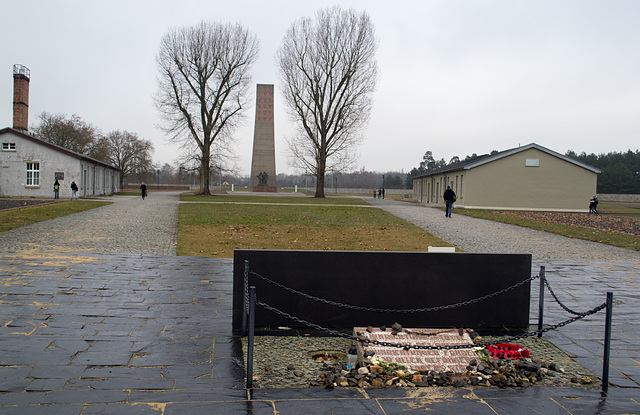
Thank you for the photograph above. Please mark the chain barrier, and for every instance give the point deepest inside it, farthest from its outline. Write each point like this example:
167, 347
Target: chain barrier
391, 310
246, 289
419, 347
564, 307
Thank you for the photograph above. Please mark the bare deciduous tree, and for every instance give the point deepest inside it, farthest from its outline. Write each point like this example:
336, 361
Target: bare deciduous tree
127, 152
329, 72
203, 83
70, 132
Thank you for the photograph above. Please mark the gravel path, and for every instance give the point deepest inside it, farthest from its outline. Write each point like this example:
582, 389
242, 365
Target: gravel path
483, 236
128, 225
133, 225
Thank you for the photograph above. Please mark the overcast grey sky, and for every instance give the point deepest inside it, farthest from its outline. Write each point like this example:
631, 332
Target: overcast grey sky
456, 77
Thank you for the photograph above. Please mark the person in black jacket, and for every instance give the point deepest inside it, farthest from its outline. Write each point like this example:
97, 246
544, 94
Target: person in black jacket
449, 197
593, 204
74, 190
143, 190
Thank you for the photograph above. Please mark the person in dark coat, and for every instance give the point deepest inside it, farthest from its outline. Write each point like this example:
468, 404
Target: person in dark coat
74, 190
143, 190
449, 197
593, 204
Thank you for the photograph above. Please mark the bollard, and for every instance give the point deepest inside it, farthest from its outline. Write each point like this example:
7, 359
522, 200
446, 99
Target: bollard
252, 323
541, 301
245, 299
607, 343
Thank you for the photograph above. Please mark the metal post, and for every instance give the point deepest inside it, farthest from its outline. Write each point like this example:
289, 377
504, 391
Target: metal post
607, 343
541, 301
245, 299
252, 322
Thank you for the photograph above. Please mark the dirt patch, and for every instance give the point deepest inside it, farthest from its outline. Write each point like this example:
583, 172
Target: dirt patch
8, 204
627, 226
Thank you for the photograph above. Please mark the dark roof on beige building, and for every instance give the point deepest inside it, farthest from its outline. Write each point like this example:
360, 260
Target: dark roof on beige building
488, 158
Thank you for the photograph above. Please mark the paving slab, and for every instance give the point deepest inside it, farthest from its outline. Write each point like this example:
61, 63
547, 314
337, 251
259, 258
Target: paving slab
76, 324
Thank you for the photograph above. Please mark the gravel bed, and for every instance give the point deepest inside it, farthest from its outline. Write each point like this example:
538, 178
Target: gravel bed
628, 226
287, 361
8, 204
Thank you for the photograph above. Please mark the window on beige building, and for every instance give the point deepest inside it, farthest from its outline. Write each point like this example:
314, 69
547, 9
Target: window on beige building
532, 163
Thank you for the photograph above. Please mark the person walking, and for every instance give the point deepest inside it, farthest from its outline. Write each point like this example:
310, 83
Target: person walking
143, 190
593, 205
74, 190
56, 190
449, 197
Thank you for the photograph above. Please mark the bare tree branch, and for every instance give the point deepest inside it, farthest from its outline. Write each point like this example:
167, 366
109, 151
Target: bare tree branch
203, 84
127, 152
329, 72
70, 132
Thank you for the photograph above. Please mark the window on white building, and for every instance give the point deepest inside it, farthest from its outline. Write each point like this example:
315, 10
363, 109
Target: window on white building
33, 174
8, 146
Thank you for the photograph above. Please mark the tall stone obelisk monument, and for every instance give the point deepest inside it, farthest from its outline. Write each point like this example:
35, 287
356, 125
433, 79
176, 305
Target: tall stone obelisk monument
263, 164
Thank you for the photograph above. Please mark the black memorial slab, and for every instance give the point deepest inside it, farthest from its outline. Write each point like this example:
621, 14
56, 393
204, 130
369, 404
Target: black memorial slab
386, 280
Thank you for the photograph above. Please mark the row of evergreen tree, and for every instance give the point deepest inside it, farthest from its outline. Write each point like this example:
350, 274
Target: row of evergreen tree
620, 171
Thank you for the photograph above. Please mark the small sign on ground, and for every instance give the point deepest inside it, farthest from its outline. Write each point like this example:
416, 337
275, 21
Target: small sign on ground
440, 360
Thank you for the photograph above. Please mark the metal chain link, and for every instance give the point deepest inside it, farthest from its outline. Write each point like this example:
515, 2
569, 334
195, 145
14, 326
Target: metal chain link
246, 289
391, 310
564, 307
420, 347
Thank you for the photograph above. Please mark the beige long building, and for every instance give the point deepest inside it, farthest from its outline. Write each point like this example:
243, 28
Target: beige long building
530, 177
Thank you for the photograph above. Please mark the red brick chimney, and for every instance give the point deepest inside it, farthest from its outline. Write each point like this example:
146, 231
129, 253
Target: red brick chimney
21, 75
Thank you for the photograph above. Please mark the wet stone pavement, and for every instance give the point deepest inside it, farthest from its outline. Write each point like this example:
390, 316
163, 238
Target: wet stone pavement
146, 333
123, 333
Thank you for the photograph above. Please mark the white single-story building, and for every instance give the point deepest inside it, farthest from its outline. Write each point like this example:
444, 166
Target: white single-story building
529, 177
29, 166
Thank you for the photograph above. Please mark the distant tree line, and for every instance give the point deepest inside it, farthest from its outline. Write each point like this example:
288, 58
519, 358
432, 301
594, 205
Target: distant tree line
361, 179
222, 179
429, 163
620, 171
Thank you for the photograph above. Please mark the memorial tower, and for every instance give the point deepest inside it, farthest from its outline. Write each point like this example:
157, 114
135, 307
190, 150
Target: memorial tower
263, 163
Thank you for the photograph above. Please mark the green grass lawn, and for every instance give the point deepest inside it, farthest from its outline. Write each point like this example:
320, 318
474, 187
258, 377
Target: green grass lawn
620, 209
281, 222
14, 218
